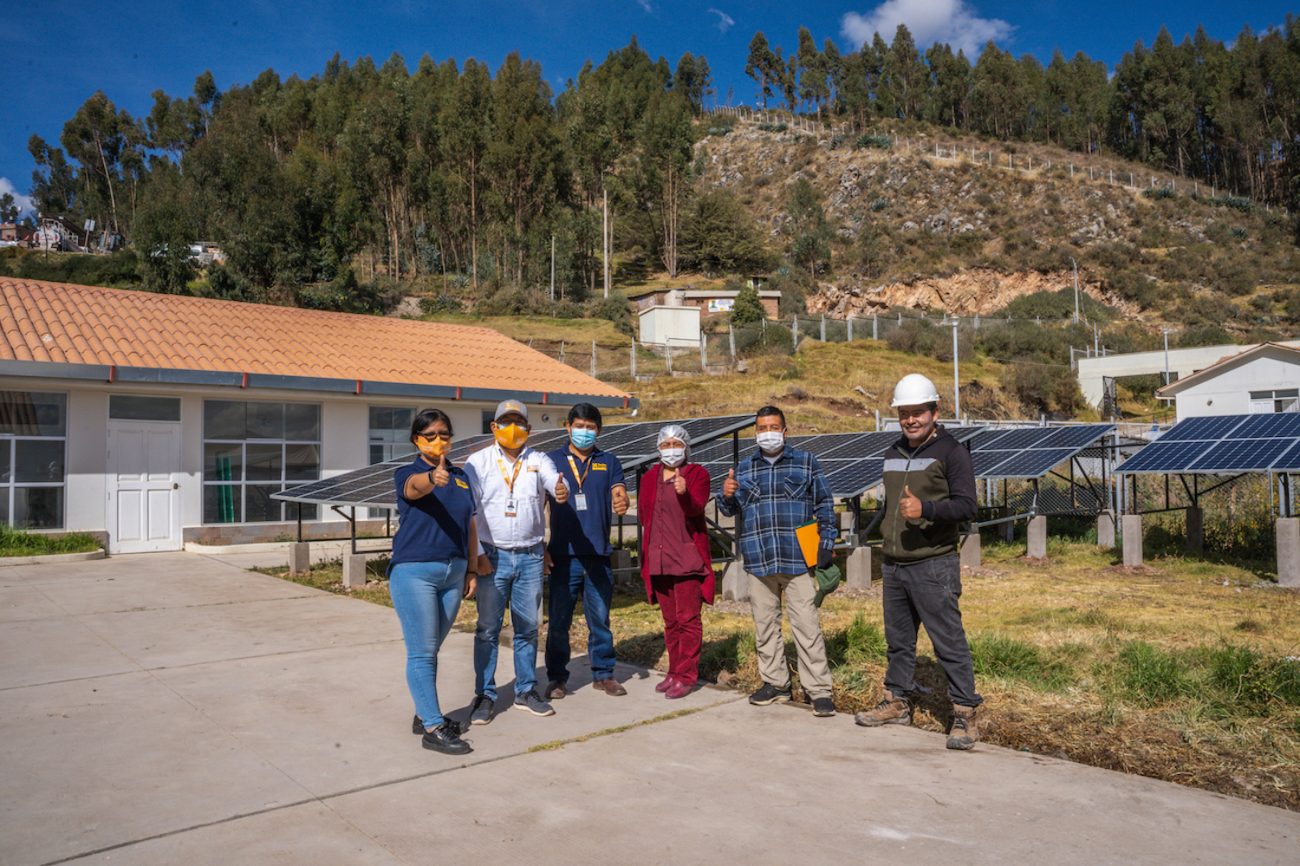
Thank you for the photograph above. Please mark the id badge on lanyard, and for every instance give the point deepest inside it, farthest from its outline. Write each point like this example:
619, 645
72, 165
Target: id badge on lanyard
512, 504
580, 497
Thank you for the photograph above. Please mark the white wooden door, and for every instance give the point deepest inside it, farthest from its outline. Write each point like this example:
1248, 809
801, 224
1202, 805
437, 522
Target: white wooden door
144, 509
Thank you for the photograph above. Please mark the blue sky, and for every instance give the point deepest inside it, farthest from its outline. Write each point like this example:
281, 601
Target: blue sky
56, 54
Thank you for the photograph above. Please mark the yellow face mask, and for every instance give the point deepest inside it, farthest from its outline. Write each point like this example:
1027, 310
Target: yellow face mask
434, 449
511, 436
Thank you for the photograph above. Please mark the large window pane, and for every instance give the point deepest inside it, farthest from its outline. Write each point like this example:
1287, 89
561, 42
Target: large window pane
309, 510
4, 505
223, 419
302, 421
32, 413
38, 460
4, 464
221, 503
302, 462
259, 507
223, 462
133, 407
38, 507
265, 421
265, 463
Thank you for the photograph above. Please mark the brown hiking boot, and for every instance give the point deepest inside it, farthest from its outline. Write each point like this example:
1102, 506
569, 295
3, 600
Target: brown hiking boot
965, 731
892, 710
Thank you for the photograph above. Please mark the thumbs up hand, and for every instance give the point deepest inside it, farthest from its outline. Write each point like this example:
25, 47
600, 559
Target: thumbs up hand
561, 491
909, 505
730, 485
441, 477
679, 483
620, 501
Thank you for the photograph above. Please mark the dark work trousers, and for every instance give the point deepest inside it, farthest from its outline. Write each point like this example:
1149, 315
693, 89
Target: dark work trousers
926, 593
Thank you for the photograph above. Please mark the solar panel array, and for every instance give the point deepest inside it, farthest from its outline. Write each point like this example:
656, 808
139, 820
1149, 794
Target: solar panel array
633, 444
1030, 452
1223, 444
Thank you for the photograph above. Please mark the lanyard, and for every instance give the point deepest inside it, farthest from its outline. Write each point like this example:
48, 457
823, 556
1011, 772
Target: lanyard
574, 468
510, 479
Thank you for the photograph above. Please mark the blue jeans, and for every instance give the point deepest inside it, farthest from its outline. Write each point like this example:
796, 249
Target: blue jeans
589, 577
516, 579
426, 596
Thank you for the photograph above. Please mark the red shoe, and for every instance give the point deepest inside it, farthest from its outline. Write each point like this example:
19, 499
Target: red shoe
666, 683
679, 689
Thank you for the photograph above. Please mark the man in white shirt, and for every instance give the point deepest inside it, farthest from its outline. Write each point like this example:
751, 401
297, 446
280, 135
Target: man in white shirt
512, 481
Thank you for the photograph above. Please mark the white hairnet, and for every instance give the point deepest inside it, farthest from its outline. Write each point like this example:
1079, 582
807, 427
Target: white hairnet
673, 431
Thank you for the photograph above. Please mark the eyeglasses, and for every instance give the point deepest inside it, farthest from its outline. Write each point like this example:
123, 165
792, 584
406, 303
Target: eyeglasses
434, 434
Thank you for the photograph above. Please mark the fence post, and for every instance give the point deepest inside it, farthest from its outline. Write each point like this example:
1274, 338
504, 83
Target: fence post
794, 332
849, 337
561, 351
823, 329
633, 365
704, 352
731, 340
668, 356
875, 332
977, 321
593, 359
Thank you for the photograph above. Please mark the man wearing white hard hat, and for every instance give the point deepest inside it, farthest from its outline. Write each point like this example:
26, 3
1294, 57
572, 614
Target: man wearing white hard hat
929, 492
512, 482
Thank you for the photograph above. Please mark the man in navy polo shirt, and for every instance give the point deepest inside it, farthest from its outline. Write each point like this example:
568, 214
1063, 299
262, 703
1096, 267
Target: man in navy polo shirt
579, 551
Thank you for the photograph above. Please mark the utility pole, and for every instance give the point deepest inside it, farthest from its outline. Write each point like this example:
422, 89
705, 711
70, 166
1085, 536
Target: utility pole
1075, 265
604, 234
956, 379
552, 269
1165, 331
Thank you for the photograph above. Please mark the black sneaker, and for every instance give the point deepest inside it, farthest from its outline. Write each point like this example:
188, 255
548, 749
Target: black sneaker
446, 739
533, 703
823, 707
770, 694
417, 726
480, 712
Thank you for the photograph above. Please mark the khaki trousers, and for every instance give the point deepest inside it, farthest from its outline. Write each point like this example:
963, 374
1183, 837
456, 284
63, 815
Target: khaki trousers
810, 647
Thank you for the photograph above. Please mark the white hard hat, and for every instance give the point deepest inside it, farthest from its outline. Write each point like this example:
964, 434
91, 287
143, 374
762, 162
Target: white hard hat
914, 390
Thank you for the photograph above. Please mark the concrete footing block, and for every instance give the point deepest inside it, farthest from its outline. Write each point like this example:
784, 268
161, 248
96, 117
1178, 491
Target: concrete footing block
971, 550
1037, 537
1131, 532
354, 569
857, 568
300, 557
1007, 530
1288, 551
621, 563
1106, 530
735, 582
1195, 541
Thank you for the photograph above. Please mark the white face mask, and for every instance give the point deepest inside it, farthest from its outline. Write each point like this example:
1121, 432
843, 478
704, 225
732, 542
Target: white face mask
672, 456
770, 440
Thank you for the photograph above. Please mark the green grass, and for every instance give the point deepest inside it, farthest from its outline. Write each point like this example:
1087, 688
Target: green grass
996, 655
16, 542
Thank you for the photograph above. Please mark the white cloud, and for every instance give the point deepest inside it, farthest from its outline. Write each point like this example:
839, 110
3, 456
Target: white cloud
953, 21
645, 4
725, 21
24, 202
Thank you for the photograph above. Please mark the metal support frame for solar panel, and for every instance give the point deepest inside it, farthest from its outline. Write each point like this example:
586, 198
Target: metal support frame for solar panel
1031, 454
372, 487
1228, 447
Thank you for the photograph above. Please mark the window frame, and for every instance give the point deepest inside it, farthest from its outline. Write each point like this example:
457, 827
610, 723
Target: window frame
9, 487
311, 512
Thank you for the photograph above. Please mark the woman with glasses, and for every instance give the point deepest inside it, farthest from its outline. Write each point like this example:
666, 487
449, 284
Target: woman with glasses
675, 561
430, 570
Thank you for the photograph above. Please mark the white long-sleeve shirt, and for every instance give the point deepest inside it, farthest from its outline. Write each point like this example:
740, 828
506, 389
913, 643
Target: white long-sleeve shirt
490, 470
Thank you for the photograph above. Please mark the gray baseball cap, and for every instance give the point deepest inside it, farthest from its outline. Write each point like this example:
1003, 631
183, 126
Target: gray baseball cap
505, 407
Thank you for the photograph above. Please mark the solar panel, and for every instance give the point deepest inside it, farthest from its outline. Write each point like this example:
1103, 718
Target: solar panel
1033, 463
1164, 456
984, 462
1241, 454
1076, 437
1280, 424
1216, 427
1031, 437
1288, 461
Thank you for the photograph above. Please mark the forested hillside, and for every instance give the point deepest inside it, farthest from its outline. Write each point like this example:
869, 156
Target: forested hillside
453, 180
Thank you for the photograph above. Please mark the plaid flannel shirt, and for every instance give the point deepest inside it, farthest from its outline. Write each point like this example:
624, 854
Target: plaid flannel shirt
773, 501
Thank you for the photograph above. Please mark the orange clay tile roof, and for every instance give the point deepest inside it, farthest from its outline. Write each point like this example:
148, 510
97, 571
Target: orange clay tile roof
59, 322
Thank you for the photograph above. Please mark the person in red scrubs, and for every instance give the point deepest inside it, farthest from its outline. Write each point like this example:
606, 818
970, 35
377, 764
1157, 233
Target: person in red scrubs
675, 561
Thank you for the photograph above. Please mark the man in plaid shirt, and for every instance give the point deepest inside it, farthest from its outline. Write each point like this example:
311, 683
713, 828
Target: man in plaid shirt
775, 490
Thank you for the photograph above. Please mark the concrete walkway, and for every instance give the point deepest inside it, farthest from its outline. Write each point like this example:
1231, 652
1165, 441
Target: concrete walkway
174, 708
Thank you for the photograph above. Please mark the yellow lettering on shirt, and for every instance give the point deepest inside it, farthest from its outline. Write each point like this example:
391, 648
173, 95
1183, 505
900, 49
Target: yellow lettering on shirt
599, 467
462, 484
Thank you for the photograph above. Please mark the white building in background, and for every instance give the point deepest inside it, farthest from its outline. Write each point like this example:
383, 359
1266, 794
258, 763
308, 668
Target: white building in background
672, 327
1263, 378
156, 420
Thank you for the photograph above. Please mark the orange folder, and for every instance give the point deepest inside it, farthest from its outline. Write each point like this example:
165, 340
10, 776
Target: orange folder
809, 541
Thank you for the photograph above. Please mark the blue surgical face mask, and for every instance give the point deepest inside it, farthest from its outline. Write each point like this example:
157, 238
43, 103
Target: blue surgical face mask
582, 438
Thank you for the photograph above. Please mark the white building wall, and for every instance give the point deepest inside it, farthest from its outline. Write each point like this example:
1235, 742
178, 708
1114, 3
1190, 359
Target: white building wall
676, 327
1182, 363
1229, 392
345, 425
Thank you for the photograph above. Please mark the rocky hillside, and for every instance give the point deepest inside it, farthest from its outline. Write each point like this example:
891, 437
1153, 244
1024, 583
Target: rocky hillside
928, 221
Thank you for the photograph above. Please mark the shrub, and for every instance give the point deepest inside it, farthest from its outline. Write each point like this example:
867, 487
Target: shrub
748, 309
1150, 675
1159, 192
920, 337
440, 304
769, 339
1049, 389
879, 142
613, 309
